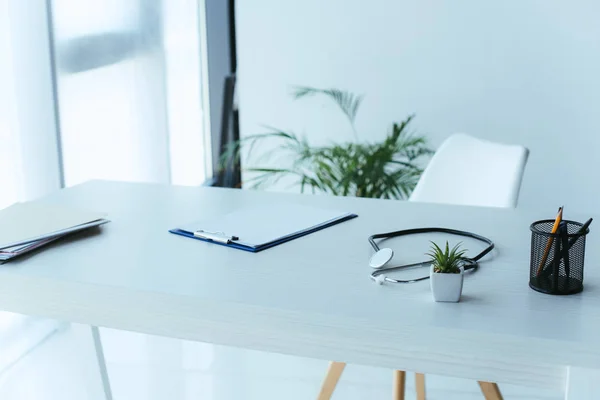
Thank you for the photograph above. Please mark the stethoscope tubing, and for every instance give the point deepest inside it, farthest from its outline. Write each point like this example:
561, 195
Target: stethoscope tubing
470, 264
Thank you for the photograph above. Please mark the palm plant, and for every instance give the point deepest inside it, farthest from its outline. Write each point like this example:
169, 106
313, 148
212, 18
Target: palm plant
446, 261
387, 169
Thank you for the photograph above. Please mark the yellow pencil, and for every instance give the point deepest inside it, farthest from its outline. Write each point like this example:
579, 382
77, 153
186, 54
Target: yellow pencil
549, 243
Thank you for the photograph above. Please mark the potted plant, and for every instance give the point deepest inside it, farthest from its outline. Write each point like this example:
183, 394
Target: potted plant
446, 276
388, 168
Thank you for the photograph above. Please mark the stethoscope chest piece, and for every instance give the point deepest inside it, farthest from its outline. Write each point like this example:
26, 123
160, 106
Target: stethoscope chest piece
380, 258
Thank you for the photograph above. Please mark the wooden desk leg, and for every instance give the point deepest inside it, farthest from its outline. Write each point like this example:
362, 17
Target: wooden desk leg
399, 384
334, 372
490, 391
420, 386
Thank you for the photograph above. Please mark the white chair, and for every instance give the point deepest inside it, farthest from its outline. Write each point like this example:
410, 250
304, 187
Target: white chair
473, 172
465, 171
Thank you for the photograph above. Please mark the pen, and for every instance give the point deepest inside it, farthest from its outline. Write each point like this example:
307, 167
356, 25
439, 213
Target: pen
564, 237
549, 242
572, 241
556, 264
215, 236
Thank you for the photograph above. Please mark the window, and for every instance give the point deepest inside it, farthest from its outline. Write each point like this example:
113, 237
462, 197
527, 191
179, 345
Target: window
101, 89
8, 165
128, 79
98, 89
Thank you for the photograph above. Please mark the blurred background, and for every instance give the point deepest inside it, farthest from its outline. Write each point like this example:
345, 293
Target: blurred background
512, 72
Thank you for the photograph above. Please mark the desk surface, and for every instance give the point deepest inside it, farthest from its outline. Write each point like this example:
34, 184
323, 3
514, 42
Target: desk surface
311, 296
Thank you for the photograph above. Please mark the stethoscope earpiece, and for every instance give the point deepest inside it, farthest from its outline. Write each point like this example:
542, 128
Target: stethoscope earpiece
380, 258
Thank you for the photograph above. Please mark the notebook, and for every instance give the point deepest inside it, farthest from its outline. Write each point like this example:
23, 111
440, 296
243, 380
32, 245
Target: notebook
260, 227
24, 223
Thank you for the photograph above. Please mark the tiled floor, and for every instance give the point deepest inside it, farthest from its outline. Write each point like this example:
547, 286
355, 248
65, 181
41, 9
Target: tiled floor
144, 367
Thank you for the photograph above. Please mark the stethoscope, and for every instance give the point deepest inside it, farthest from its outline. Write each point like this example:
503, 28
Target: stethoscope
381, 257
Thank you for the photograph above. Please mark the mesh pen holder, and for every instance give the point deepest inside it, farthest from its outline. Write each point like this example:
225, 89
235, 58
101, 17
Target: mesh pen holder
557, 258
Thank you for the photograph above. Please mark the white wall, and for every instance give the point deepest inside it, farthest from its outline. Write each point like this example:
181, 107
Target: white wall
524, 71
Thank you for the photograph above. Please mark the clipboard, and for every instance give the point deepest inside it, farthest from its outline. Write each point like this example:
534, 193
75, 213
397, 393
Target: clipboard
259, 228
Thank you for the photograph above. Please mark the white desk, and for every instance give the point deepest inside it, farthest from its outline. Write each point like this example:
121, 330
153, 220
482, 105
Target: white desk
312, 297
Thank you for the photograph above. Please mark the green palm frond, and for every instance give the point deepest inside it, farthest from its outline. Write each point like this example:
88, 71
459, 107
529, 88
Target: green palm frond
347, 101
386, 169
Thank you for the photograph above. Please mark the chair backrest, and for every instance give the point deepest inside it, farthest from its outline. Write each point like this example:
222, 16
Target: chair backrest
470, 171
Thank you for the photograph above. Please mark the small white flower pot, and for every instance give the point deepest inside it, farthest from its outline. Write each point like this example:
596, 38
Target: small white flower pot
446, 287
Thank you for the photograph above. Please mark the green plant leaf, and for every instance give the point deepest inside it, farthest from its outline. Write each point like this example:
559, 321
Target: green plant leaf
346, 101
386, 169
447, 260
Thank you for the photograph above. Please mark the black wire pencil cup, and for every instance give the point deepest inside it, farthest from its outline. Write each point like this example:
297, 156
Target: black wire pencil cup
557, 256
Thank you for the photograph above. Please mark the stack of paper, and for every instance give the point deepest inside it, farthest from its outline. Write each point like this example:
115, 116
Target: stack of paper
27, 226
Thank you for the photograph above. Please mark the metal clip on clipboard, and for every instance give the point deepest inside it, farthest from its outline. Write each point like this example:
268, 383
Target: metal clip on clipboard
219, 237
